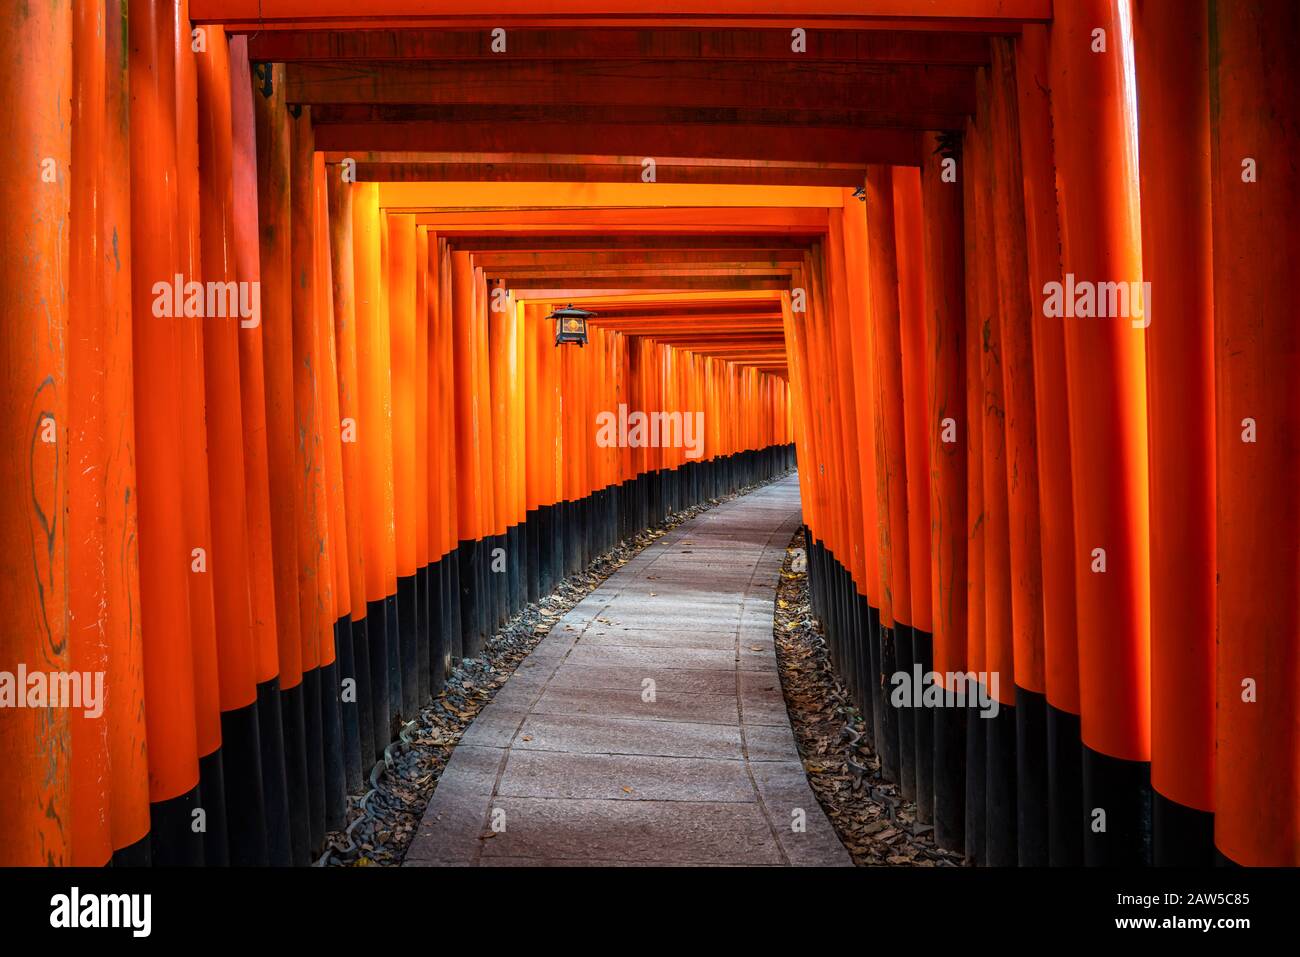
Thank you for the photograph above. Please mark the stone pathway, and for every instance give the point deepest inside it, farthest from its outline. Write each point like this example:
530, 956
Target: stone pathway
649, 726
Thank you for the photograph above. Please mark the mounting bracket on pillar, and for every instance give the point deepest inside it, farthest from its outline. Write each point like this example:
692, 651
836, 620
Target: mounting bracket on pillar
571, 325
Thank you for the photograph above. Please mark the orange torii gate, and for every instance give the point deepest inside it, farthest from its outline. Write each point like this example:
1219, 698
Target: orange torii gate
1018, 485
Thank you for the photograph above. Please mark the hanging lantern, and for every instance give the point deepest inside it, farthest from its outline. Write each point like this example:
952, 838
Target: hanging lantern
571, 325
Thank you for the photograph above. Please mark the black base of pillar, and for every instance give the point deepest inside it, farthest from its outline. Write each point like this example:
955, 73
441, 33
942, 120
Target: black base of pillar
172, 838
1000, 788
1122, 790
923, 657
1032, 801
336, 785
950, 778
275, 786
396, 656
1065, 817
241, 746
1182, 836
409, 644
380, 716
313, 730
212, 798
976, 776
349, 708
139, 854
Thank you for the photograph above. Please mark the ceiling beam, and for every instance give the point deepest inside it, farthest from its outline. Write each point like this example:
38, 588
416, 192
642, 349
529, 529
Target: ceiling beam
862, 46
882, 115
897, 147
622, 83
632, 243
566, 289
747, 175
990, 15
630, 258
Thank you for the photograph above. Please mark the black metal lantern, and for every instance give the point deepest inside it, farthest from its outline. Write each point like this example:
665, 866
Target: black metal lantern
571, 325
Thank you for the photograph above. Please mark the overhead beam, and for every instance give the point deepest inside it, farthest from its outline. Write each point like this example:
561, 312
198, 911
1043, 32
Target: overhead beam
884, 114
557, 273
916, 14
651, 282
622, 83
862, 46
409, 166
623, 257
631, 243
749, 175
417, 196
546, 219
898, 147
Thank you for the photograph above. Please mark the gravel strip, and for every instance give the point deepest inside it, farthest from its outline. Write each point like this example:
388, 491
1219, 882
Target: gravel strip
873, 821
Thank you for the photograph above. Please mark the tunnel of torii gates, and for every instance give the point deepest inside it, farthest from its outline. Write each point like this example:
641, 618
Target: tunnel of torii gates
831, 227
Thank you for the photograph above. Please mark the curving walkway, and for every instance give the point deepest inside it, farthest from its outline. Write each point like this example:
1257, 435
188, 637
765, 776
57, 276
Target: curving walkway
649, 726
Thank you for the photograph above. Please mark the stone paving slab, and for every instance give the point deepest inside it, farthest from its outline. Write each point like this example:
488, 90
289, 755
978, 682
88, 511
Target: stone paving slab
662, 832
649, 726
667, 705
618, 777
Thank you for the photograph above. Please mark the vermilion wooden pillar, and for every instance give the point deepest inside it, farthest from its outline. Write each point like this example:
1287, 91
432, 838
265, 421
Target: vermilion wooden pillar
401, 261
341, 734
850, 435
197, 497
469, 479
229, 571
912, 338
1016, 313
372, 416
128, 758
387, 542
946, 428
976, 655
315, 576
891, 464
1105, 358
164, 553
998, 726
37, 83
1253, 117
424, 599
253, 412
443, 461
91, 615
342, 273
861, 345
272, 137
1052, 434
1172, 56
